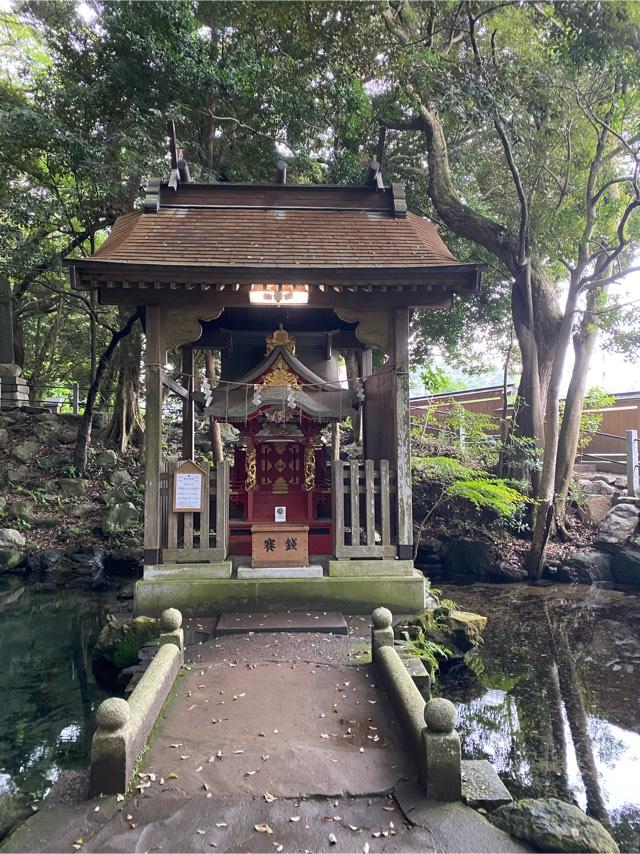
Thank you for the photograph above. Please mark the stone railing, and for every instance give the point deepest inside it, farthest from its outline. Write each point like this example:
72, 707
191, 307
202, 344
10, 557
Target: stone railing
428, 726
124, 725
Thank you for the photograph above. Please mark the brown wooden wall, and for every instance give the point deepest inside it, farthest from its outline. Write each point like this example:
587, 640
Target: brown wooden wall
623, 415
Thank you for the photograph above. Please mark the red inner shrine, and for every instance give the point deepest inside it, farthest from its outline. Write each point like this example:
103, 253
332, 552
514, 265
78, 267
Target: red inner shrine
281, 459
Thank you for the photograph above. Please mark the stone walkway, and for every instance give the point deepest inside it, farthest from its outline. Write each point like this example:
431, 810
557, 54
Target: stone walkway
271, 743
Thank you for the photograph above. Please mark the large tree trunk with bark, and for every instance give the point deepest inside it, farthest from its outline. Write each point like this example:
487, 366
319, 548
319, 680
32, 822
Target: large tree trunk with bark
126, 423
546, 490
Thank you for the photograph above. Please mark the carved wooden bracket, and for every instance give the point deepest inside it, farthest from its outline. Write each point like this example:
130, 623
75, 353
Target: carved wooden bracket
373, 329
182, 325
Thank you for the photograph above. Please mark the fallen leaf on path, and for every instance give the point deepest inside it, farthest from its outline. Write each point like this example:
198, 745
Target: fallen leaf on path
238, 751
269, 798
250, 773
201, 832
185, 756
389, 809
179, 744
221, 824
353, 827
199, 768
172, 775
294, 818
263, 828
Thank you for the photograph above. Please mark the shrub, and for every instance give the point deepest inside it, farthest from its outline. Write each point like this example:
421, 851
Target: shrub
444, 487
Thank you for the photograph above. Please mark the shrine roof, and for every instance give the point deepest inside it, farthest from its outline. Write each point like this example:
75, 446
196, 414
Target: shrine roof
238, 404
245, 232
306, 375
285, 375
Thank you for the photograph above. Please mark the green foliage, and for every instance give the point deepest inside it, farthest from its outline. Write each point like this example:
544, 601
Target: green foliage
428, 651
489, 495
442, 470
466, 497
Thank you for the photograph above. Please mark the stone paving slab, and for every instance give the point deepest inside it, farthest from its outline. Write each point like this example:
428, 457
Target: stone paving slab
201, 824
454, 827
289, 728
286, 621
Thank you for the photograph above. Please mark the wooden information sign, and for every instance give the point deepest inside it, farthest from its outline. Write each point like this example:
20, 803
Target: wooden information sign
188, 488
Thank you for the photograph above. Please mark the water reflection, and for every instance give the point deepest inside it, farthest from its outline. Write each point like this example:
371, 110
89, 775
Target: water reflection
553, 700
47, 689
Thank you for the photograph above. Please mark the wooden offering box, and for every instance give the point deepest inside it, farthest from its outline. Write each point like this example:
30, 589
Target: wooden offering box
279, 544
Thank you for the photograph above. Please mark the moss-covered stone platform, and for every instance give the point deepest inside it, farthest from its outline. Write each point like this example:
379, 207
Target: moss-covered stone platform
195, 594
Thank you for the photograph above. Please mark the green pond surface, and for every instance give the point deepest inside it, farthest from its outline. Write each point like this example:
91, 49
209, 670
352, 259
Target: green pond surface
48, 695
553, 698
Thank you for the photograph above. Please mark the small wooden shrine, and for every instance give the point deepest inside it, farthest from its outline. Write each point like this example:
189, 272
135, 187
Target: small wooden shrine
280, 280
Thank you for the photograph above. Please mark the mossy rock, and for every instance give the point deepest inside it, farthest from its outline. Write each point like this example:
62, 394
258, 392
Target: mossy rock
553, 825
9, 559
466, 628
118, 645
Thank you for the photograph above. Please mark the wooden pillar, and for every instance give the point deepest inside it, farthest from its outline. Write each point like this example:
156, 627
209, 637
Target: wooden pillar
402, 423
366, 369
188, 433
154, 360
335, 440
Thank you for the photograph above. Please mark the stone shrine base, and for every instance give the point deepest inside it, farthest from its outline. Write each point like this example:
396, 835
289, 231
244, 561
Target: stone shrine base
198, 590
14, 390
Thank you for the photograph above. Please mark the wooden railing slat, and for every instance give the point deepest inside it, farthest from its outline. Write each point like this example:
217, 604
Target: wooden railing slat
188, 530
385, 503
354, 478
370, 503
204, 515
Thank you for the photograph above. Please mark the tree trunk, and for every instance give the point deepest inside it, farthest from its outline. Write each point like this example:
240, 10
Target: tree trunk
214, 426
351, 361
84, 430
126, 423
93, 336
584, 343
545, 493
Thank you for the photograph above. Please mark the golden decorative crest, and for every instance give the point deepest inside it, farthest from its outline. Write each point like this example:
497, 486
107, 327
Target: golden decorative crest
280, 375
281, 338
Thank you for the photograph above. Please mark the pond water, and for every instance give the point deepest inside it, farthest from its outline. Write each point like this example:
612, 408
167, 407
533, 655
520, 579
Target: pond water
553, 699
48, 692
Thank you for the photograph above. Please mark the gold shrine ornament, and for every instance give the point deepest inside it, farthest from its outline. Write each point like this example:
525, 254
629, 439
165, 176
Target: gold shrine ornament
281, 338
280, 375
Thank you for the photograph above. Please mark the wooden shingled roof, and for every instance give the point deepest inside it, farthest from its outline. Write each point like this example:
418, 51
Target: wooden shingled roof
238, 234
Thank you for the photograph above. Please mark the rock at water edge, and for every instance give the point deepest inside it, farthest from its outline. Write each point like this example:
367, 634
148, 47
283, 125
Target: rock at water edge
552, 825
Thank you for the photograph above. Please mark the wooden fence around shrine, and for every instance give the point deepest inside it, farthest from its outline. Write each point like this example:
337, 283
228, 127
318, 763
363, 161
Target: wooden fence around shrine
363, 526
196, 537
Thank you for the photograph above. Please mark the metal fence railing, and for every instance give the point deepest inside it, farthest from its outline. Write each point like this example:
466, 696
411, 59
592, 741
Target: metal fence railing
56, 397
627, 458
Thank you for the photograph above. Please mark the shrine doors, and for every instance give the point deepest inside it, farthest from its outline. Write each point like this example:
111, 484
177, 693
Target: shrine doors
280, 467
